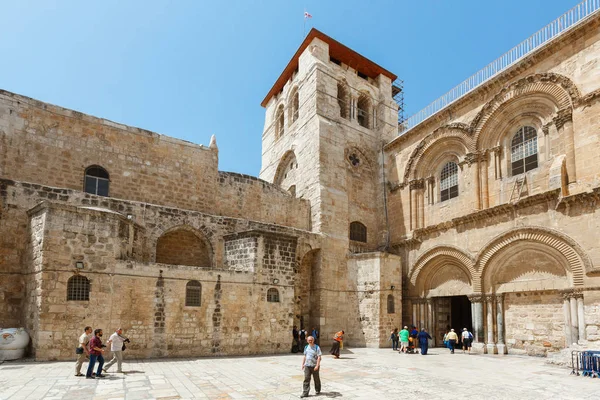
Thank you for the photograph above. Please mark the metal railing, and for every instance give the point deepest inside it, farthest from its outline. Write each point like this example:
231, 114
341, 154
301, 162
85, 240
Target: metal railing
563, 23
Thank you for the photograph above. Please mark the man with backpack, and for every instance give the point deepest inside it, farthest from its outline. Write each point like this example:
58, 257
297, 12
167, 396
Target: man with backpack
302, 339
467, 339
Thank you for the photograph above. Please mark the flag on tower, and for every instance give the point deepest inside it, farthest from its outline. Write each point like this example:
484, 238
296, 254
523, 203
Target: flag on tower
307, 15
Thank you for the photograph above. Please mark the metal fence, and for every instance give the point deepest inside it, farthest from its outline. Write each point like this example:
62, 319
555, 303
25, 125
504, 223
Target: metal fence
568, 20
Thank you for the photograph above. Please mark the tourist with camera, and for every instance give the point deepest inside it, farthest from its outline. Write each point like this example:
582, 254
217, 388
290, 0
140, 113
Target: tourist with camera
117, 346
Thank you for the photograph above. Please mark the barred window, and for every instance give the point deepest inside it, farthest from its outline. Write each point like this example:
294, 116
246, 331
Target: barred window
391, 307
449, 181
358, 232
524, 151
78, 288
273, 295
193, 294
96, 180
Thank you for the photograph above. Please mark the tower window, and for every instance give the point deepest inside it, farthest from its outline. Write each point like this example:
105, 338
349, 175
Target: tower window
449, 181
363, 109
96, 180
358, 232
361, 75
342, 98
193, 294
294, 106
524, 151
335, 61
279, 122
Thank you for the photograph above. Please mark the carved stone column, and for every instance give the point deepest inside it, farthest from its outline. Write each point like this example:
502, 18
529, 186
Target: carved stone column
422, 317
485, 195
477, 316
430, 190
500, 345
415, 306
497, 162
473, 160
567, 315
574, 322
580, 316
564, 125
491, 346
417, 207
430, 318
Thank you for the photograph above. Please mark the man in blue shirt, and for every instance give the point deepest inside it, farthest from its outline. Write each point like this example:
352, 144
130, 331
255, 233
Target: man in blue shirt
310, 364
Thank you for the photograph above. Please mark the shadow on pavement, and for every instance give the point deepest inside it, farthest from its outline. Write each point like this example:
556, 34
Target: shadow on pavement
331, 394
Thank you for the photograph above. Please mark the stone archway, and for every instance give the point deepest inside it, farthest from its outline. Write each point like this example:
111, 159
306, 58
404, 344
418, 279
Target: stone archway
306, 302
525, 274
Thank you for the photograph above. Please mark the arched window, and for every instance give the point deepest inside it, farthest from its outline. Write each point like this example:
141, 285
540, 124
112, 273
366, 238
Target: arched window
78, 288
449, 181
342, 98
524, 151
294, 106
363, 106
391, 307
193, 294
279, 122
273, 295
96, 180
358, 232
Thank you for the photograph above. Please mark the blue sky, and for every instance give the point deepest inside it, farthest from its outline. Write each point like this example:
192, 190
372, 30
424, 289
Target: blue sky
190, 69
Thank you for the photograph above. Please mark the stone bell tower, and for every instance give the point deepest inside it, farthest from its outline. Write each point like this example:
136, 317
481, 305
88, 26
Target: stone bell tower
328, 116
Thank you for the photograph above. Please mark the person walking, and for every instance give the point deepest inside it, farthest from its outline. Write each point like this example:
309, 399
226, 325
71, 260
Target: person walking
424, 341
311, 364
394, 339
295, 347
337, 341
116, 342
404, 335
82, 349
315, 335
302, 335
96, 349
467, 339
452, 340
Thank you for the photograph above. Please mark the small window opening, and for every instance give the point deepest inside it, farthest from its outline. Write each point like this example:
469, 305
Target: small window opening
78, 288
279, 122
361, 75
342, 98
273, 295
363, 107
335, 61
96, 181
193, 294
354, 160
358, 232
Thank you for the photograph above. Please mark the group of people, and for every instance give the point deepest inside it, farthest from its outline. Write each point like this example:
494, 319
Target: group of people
91, 347
452, 340
406, 340
300, 338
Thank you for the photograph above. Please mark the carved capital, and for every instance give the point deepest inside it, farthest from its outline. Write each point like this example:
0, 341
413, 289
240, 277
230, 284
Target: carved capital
499, 298
562, 117
430, 180
471, 158
476, 297
417, 184
546, 128
497, 150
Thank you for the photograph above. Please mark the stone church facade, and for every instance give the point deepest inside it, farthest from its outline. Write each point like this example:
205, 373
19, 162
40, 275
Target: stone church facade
482, 216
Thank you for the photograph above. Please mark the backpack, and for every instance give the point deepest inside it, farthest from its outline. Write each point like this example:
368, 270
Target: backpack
470, 335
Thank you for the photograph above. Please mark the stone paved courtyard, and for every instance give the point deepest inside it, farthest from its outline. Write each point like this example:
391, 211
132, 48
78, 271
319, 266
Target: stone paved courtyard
359, 374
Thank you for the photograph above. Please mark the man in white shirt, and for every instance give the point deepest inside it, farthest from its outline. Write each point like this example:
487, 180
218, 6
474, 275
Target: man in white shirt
82, 349
116, 346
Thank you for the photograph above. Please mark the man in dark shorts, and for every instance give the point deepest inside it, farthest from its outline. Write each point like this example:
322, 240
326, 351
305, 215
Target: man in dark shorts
467, 339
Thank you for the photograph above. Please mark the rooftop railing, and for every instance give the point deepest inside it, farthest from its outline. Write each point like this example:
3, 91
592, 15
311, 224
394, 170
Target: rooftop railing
568, 20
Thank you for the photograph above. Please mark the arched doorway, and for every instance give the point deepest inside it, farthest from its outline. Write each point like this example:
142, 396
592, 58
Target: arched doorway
306, 302
442, 279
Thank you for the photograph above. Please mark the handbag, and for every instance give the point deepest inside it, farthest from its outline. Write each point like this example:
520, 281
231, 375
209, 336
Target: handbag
124, 347
78, 350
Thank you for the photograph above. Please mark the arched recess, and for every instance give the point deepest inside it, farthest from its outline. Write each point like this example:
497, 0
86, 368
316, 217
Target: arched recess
549, 89
306, 298
184, 245
285, 175
442, 271
546, 247
456, 135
